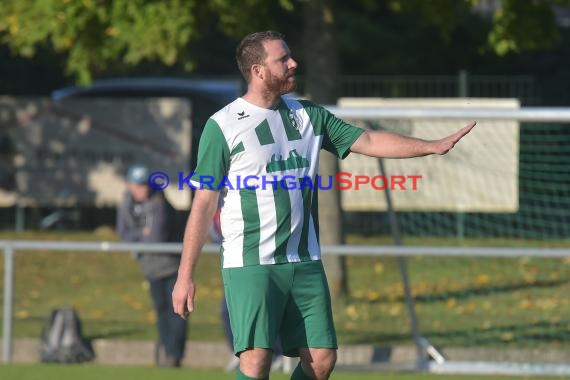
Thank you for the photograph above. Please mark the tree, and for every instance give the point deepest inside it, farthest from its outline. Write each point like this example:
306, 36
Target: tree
95, 34
322, 87
517, 26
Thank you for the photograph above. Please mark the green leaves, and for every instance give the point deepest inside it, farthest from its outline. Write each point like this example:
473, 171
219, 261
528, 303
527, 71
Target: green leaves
524, 26
518, 26
96, 33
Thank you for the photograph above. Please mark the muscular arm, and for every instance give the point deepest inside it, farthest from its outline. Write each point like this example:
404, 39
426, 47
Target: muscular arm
203, 208
392, 145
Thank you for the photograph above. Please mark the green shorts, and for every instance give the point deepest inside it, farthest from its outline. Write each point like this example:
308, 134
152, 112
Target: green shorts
290, 300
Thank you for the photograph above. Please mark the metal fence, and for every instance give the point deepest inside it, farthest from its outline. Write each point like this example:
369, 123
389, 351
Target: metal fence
11, 248
523, 87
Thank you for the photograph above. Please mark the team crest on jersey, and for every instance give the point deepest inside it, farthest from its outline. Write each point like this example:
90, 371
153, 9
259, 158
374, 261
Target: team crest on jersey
293, 161
294, 119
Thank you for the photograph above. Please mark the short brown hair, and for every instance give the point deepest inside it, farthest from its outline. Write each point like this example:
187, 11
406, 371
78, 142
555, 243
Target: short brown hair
250, 51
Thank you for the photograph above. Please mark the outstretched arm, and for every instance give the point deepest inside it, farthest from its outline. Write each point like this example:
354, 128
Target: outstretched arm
203, 208
393, 145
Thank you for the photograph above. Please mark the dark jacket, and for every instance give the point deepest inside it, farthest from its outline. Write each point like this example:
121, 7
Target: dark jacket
159, 216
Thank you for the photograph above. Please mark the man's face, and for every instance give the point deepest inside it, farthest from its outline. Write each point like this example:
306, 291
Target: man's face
139, 192
279, 67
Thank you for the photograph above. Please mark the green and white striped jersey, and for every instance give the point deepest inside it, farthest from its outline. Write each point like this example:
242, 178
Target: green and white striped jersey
264, 162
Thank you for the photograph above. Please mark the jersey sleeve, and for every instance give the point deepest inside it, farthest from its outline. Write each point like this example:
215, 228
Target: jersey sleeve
213, 158
338, 135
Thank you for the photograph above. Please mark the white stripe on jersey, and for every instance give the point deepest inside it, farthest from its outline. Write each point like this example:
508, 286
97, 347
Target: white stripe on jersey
314, 247
267, 223
231, 223
296, 225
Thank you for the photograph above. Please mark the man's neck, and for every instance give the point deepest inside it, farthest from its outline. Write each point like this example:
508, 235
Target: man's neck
262, 99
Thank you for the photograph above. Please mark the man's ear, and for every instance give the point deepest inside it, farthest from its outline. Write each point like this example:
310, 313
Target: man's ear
257, 71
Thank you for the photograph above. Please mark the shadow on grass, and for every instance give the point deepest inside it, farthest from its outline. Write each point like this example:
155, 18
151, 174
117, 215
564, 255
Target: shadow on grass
110, 328
516, 335
120, 333
470, 292
489, 290
92, 329
532, 333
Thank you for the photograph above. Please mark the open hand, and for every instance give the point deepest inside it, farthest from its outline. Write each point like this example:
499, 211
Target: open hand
447, 143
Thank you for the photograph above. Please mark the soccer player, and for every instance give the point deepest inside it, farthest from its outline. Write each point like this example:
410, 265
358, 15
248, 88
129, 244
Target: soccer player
273, 277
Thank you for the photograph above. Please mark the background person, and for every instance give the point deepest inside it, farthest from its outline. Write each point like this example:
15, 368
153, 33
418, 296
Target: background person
146, 216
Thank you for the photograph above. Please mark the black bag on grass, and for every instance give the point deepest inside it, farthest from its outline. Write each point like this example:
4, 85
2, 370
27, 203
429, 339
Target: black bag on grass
62, 339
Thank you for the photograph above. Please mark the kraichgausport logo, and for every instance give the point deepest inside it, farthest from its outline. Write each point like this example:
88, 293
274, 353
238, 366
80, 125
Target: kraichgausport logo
340, 181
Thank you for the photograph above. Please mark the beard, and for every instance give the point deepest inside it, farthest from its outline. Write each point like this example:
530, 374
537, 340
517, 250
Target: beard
281, 85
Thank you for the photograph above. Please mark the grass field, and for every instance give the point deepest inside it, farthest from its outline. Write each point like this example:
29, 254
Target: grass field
460, 301
55, 372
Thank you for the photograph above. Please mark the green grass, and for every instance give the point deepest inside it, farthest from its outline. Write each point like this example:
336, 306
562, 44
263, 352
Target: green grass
466, 301
106, 288
91, 372
459, 301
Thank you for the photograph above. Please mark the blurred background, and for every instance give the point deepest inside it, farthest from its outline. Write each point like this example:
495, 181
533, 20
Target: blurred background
90, 87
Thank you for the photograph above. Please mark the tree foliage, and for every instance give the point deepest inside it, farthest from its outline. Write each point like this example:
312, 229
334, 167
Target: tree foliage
524, 26
94, 35
518, 26
97, 33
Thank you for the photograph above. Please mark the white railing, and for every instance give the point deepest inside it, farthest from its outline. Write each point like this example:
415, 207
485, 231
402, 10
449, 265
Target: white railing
538, 114
535, 114
10, 247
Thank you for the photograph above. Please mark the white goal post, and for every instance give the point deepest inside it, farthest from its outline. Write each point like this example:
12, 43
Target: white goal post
537, 114
483, 177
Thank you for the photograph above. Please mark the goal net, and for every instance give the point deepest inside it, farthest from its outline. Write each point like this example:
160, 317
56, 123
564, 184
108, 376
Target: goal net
505, 187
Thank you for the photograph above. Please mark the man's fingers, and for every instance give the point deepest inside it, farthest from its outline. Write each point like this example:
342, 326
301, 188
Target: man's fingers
183, 299
470, 125
462, 132
184, 307
179, 310
179, 305
465, 130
